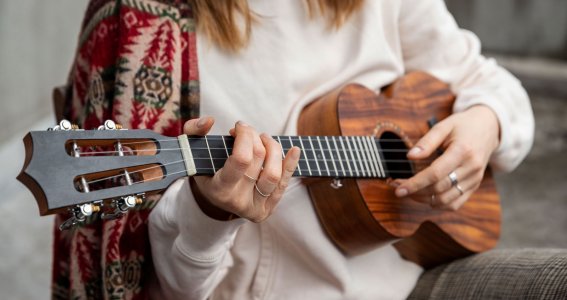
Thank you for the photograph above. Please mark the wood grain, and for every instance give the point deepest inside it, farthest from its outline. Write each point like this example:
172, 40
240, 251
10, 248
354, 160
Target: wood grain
365, 214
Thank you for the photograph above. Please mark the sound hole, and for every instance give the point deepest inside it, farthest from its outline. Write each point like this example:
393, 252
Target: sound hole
395, 154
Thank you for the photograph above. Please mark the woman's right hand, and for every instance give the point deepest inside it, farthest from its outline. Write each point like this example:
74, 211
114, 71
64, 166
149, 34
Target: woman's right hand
253, 178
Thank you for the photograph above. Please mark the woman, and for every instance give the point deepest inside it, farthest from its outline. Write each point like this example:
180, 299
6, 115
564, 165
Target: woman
250, 231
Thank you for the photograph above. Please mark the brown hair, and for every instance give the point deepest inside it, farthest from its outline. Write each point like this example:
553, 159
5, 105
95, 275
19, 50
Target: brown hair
218, 19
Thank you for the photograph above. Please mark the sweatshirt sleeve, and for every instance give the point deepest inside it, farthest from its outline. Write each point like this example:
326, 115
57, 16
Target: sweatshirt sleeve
431, 41
191, 252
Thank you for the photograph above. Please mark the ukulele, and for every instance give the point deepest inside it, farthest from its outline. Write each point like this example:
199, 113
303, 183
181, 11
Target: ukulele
352, 141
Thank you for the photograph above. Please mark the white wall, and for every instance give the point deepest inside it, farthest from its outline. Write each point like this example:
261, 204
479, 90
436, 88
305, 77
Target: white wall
37, 42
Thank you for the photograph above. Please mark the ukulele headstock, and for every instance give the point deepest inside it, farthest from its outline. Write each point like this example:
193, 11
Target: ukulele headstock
108, 170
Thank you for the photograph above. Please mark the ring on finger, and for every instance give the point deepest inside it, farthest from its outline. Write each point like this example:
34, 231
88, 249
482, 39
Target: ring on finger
260, 192
432, 201
459, 188
454, 179
251, 178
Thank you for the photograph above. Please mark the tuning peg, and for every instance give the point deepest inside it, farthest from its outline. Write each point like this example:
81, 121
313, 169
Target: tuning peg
79, 214
110, 125
122, 205
64, 125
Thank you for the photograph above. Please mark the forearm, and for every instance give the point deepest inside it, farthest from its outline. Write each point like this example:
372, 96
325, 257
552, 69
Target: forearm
190, 250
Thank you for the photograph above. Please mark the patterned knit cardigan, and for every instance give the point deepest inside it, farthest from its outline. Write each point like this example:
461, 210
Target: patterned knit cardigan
136, 64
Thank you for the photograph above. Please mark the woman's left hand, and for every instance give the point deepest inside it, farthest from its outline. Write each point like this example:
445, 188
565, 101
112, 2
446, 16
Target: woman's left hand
468, 139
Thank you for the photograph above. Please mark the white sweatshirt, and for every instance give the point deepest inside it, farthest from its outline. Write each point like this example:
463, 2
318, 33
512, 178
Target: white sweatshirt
290, 61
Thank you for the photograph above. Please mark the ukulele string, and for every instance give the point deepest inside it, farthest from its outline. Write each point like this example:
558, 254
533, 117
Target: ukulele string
328, 160
214, 171
293, 138
92, 153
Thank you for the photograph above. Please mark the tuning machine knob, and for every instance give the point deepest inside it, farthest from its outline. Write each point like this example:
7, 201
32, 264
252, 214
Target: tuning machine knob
64, 125
79, 214
122, 205
110, 125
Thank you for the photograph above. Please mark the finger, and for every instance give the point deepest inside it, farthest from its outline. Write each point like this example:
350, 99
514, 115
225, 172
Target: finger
440, 168
241, 157
455, 197
430, 142
445, 199
445, 183
199, 126
271, 173
290, 163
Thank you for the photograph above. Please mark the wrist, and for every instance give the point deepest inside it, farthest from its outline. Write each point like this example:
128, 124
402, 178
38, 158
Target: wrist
207, 207
489, 118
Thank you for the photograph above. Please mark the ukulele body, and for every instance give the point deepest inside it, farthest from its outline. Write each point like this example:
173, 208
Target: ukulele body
364, 213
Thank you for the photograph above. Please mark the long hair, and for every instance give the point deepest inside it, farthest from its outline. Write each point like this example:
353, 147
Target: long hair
219, 19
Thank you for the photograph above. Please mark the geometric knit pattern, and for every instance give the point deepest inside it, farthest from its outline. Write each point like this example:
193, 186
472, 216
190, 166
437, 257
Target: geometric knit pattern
136, 63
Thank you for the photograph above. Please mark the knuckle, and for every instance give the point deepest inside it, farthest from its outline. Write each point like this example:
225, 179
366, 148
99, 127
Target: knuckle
453, 206
283, 185
259, 152
241, 162
272, 176
436, 174
464, 150
438, 189
443, 199
477, 163
258, 218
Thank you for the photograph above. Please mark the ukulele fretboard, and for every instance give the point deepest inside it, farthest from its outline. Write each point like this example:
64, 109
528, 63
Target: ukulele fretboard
321, 156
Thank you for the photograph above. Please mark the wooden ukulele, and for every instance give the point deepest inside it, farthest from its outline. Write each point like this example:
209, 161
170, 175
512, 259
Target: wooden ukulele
352, 140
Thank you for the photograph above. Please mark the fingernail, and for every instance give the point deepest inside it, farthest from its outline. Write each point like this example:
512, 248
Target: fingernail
394, 184
401, 192
415, 150
202, 122
241, 123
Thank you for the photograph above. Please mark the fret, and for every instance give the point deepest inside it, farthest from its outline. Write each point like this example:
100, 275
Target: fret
341, 139
339, 156
315, 156
332, 156
364, 159
201, 156
322, 151
281, 146
377, 155
353, 158
371, 162
298, 170
303, 150
210, 155
225, 147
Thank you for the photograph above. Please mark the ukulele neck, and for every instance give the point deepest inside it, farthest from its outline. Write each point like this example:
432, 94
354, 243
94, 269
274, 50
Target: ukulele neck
321, 156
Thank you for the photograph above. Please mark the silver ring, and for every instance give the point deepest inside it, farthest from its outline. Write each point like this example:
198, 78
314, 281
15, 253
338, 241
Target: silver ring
453, 178
251, 178
260, 192
432, 202
458, 187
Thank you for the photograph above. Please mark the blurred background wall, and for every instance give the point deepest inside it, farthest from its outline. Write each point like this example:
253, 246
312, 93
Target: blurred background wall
37, 40
516, 27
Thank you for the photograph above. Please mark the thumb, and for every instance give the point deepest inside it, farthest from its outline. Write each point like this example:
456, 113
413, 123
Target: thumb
199, 126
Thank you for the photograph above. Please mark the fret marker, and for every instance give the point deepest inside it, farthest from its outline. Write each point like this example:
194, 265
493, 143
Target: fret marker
187, 155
